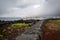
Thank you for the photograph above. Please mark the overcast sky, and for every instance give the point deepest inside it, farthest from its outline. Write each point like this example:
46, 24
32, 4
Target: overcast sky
27, 8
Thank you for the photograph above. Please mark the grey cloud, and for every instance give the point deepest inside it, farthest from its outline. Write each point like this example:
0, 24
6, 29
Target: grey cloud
4, 4
25, 8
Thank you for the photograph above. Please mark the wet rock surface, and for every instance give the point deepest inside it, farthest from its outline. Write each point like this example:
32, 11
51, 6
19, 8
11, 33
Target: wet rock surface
33, 33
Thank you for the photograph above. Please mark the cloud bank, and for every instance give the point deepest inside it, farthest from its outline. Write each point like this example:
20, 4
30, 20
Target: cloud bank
28, 8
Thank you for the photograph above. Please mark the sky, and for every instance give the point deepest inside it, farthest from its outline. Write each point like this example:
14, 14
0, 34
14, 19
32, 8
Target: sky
29, 8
